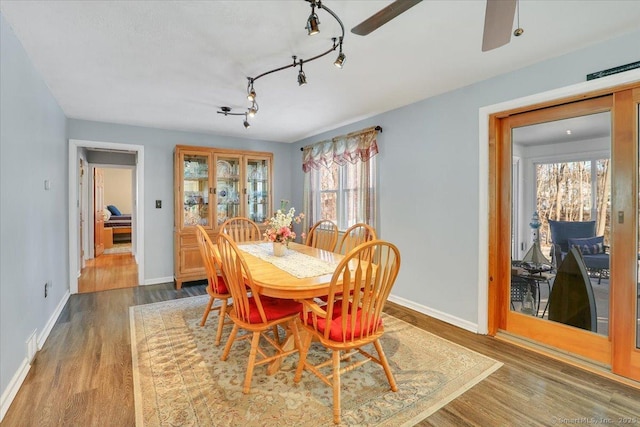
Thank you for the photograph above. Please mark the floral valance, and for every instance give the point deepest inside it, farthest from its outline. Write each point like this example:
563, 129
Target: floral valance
350, 148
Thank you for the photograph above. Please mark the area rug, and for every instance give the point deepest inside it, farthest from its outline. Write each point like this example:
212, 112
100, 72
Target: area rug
119, 248
179, 379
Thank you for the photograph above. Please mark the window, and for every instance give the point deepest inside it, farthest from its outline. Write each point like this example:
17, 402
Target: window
344, 193
340, 180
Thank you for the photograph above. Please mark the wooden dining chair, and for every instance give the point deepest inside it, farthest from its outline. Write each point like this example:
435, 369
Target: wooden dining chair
355, 235
323, 235
345, 325
241, 229
257, 315
216, 287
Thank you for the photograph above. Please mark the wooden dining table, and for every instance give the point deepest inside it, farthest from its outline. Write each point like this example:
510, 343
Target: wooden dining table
275, 282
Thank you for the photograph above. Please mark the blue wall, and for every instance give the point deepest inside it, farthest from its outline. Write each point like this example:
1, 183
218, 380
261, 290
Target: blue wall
33, 222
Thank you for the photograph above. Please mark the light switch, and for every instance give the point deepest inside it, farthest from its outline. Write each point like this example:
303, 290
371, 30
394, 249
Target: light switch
158, 204
47, 184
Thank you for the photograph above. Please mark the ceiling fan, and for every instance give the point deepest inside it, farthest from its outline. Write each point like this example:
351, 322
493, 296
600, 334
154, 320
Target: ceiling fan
498, 21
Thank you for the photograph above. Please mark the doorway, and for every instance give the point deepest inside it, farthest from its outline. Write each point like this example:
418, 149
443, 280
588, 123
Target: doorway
77, 150
110, 262
516, 297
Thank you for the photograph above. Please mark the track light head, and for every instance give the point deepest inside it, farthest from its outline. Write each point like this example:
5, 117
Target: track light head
246, 124
253, 109
313, 22
251, 96
302, 79
339, 62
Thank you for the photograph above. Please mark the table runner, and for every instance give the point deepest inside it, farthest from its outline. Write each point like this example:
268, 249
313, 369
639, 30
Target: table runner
293, 262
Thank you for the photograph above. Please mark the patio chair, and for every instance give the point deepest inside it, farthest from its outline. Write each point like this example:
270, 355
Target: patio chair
572, 301
582, 234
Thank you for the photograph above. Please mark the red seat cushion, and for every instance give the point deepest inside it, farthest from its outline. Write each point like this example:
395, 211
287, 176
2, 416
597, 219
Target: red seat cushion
222, 286
335, 324
274, 308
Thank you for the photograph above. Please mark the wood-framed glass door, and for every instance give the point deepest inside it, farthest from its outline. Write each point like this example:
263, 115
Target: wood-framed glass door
626, 216
617, 346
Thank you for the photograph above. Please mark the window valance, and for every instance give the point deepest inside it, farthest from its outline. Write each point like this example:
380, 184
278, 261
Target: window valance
360, 145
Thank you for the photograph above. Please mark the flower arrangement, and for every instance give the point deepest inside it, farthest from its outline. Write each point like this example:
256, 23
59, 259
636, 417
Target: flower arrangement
279, 225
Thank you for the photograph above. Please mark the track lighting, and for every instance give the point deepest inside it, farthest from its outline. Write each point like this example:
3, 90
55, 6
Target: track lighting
302, 79
253, 109
341, 58
313, 22
312, 27
251, 93
226, 111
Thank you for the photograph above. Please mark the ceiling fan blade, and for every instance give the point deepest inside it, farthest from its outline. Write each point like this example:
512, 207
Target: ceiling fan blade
498, 23
383, 16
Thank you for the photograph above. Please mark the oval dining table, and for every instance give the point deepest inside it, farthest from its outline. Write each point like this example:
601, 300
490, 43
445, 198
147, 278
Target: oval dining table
275, 282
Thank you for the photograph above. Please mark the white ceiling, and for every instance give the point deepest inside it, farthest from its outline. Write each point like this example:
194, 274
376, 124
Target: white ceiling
580, 128
172, 64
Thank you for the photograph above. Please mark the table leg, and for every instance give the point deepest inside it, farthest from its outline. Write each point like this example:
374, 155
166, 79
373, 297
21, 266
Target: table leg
288, 344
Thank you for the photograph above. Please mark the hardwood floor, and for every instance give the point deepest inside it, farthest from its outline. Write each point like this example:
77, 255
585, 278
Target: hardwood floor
83, 374
109, 271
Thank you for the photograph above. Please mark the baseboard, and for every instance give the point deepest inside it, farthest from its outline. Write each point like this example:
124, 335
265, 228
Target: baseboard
18, 378
52, 320
158, 280
12, 388
445, 317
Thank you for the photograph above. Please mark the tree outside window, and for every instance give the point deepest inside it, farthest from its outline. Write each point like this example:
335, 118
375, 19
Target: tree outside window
565, 192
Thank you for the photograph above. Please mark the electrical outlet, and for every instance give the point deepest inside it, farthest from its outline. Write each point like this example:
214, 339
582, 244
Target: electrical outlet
158, 204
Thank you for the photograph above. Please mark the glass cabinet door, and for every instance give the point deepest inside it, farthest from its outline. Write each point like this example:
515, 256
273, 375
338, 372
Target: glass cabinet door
228, 188
195, 184
258, 175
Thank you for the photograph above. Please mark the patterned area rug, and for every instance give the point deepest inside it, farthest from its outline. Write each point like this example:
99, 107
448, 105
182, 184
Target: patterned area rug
179, 379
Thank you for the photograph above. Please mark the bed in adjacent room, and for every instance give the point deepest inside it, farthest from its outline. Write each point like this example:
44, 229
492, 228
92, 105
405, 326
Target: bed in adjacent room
120, 224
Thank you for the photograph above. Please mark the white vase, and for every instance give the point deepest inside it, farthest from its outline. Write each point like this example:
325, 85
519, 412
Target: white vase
279, 248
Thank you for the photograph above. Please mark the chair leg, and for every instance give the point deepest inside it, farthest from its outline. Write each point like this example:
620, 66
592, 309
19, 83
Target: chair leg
223, 313
230, 341
206, 311
335, 380
251, 363
303, 350
385, 365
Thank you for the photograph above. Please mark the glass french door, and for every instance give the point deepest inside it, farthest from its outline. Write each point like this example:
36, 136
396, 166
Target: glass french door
577, 290
626, 219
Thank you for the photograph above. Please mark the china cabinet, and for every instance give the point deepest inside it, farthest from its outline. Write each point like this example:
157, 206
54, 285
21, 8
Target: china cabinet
212, 185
